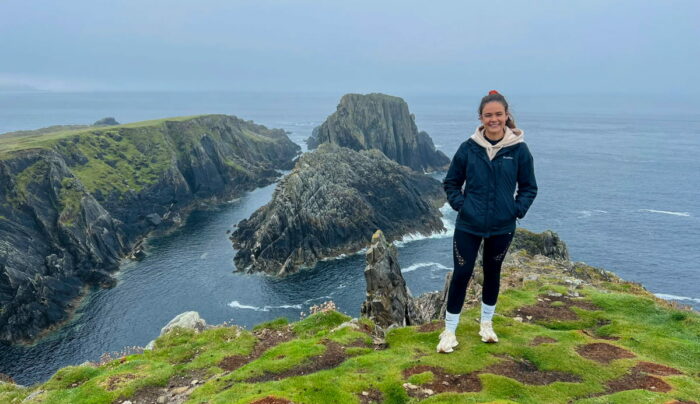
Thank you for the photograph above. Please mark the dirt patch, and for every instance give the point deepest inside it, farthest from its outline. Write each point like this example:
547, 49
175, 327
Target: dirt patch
442, 382
602, 352
117, 381
544, 310
539, 340
267, 338
370, 396
637, 380
333, 356
681, 402
655, 369
178, 390
271, 400
526, 372
430, 327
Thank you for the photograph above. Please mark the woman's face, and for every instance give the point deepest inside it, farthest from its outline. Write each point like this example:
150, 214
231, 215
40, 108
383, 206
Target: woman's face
494, 117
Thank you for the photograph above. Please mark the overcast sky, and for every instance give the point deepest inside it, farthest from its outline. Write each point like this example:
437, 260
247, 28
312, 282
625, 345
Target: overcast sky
639, 46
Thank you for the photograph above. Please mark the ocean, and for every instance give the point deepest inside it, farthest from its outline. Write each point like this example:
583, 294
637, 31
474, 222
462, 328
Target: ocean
618, 181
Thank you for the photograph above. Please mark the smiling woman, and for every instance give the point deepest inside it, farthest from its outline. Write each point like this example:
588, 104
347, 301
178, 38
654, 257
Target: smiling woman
490, 165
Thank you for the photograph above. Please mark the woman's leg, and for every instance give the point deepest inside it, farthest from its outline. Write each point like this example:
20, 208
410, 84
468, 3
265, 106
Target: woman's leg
495, 249
465, 247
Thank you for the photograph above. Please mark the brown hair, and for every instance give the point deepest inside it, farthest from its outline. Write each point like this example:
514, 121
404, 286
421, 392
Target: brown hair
495, 96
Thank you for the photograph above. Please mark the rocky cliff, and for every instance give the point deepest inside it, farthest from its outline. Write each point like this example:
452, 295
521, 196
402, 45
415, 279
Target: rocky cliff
72, 203
330, 204
378, 121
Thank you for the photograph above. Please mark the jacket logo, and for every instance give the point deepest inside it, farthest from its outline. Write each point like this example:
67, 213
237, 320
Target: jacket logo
507, 158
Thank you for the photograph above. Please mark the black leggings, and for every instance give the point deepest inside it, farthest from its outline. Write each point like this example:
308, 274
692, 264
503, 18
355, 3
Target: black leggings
465, 247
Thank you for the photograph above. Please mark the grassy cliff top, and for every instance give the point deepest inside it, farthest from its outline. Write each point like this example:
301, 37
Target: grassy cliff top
562, 340
47, 137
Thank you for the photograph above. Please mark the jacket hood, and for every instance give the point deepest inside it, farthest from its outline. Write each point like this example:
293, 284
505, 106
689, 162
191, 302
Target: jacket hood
511, 137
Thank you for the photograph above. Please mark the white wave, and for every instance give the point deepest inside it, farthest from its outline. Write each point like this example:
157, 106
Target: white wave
589, 213
307, 301
674, 297
342, 256
237, 305
204, 256
666, 212
449, 230
423, 265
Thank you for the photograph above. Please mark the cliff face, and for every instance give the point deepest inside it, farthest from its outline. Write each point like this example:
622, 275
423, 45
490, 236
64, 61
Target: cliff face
331, 203
72, 205
378, 121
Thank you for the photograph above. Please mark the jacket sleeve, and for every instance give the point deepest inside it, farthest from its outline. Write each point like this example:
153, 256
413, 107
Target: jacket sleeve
527, 185
454, 179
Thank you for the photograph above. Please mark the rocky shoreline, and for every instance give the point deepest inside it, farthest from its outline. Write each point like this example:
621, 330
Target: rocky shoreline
74, 203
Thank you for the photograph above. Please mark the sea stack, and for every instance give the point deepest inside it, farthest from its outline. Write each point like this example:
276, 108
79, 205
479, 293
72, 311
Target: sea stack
383, 122
331, 203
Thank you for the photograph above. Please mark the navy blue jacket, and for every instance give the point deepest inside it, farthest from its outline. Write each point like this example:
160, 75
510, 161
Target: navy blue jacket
487, 207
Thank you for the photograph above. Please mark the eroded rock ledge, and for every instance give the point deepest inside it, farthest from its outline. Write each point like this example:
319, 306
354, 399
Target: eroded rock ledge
383, 122
72, 204
331, 203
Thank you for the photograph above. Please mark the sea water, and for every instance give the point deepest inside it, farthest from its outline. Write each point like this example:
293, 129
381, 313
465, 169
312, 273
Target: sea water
617, 180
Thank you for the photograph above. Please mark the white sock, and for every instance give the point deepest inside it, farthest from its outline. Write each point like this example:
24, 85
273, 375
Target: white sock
451, 321
487, 312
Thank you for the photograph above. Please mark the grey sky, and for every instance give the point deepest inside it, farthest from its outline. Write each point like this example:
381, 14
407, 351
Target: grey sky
392, 46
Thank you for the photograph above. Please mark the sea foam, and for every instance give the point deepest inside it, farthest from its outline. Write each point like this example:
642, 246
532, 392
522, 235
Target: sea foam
666, 212
674, 297
449, 229
423, 265
237, 305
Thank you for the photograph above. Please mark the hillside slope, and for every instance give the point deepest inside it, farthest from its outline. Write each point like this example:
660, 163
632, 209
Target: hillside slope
569, 333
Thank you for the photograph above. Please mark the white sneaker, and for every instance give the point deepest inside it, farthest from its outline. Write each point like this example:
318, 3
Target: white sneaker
486, 332
448, 341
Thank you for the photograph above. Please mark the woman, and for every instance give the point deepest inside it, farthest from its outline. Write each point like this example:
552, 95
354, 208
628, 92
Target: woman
492, 162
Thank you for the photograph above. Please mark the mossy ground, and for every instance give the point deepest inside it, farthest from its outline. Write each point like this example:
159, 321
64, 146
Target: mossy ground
650, 330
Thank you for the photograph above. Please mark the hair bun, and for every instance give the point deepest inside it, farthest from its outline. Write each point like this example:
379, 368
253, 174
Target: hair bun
492, 92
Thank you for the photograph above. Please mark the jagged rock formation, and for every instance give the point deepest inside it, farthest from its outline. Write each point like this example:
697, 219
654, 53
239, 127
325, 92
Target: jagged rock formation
389, 302
330, 204
378, 121
72, 206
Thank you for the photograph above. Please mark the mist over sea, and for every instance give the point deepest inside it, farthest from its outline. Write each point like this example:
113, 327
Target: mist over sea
618, 179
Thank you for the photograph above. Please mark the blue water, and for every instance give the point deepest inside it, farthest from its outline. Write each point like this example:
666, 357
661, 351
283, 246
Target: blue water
617, 175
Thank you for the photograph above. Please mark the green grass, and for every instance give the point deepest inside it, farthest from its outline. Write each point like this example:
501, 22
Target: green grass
651, 331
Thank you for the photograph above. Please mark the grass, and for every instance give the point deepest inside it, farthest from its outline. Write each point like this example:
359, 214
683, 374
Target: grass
653, 332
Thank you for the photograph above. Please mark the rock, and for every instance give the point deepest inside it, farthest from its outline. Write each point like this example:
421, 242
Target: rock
162, 400
33, 395
383, 122
518, 319
546, 243
188, 320
389, 302
331, 203
109, 121
58, 233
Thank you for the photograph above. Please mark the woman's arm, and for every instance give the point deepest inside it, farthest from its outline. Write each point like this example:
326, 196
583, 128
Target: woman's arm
454, 179
527, 185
